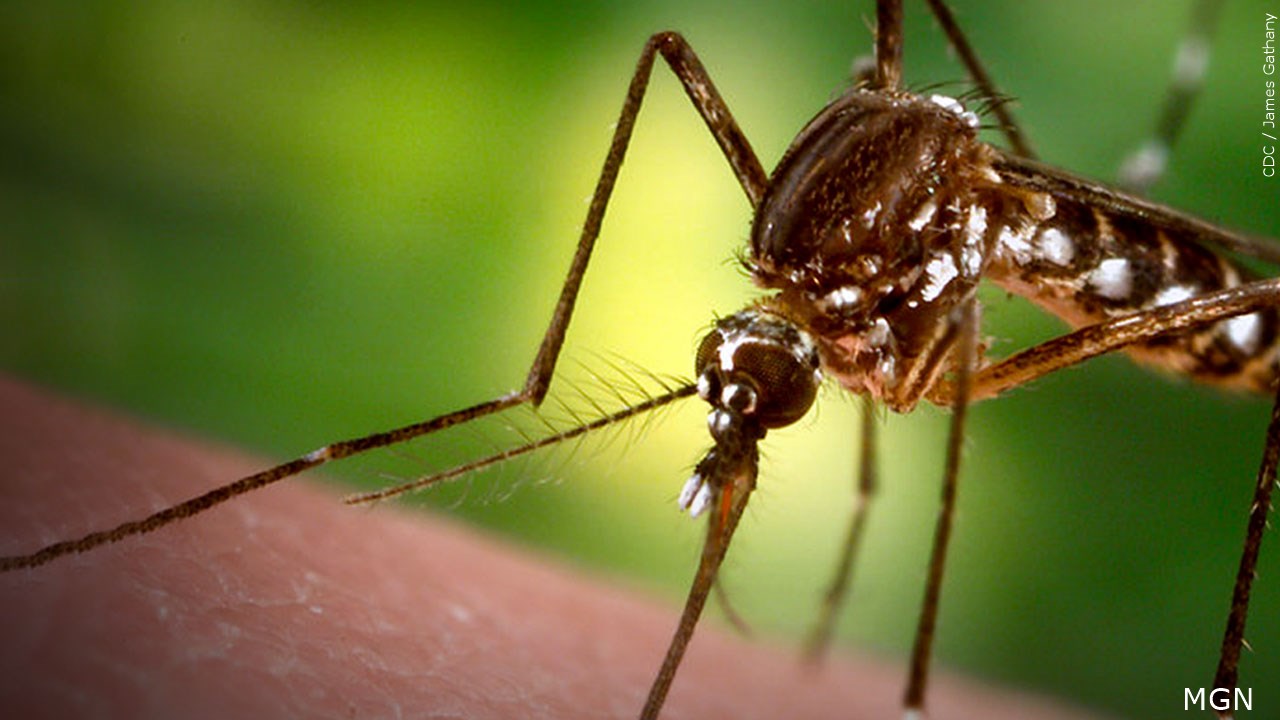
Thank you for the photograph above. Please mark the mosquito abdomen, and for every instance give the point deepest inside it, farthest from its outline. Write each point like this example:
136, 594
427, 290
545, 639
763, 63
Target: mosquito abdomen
1087, 264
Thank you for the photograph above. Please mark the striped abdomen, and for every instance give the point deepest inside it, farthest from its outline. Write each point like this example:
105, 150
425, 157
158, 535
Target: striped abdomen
1087, 263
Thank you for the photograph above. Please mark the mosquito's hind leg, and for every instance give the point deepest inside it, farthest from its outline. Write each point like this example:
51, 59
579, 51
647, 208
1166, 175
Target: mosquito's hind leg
706, 99
1145, 166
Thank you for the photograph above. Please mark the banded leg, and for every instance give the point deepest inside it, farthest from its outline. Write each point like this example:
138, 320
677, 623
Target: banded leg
746, 167
1144, 166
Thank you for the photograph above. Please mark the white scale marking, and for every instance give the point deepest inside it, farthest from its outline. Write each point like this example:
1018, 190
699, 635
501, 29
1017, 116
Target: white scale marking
954, 107
888, 371
1055, 246
1190, 63
729, 348
923, 215
1016, 243
690, 487
972, 259
704, 387
879, 333
732, 391
869, 216
1243, 331
1173, 294
975, 226
974, 232
718, 421
940, 271
1112, 279
695, 496
1146, 164
841, 298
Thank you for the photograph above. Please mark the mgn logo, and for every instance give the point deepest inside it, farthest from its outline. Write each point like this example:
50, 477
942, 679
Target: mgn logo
1217, 699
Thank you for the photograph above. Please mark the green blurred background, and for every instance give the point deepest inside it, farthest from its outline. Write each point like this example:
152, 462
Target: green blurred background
282, 224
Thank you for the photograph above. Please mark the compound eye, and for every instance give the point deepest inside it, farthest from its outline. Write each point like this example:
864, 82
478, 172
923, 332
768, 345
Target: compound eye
785, 385
708, 352
706, 365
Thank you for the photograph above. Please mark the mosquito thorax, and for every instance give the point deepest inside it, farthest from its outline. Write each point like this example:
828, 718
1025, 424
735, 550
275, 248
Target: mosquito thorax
758, 371
873, 230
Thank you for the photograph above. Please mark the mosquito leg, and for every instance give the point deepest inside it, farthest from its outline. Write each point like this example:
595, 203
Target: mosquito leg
219, 495
1144, 166
888, 74
731, 613
1102, 338
999, 107
921, 652
864, 490
706, 99
733, 143
1233, 638
555, 438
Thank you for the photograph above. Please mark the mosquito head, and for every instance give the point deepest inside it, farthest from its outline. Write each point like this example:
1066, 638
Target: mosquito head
758, 367
758, 371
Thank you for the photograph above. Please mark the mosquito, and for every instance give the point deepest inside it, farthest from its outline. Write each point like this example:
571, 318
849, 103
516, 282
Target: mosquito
1010, 213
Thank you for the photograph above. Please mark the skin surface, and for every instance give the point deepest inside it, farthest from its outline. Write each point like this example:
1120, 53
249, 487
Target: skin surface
285, 603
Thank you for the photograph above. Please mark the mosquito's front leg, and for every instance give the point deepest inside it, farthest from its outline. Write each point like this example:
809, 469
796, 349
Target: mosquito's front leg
733, 143
706, 99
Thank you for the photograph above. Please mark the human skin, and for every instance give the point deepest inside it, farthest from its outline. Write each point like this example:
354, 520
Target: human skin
286, 603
